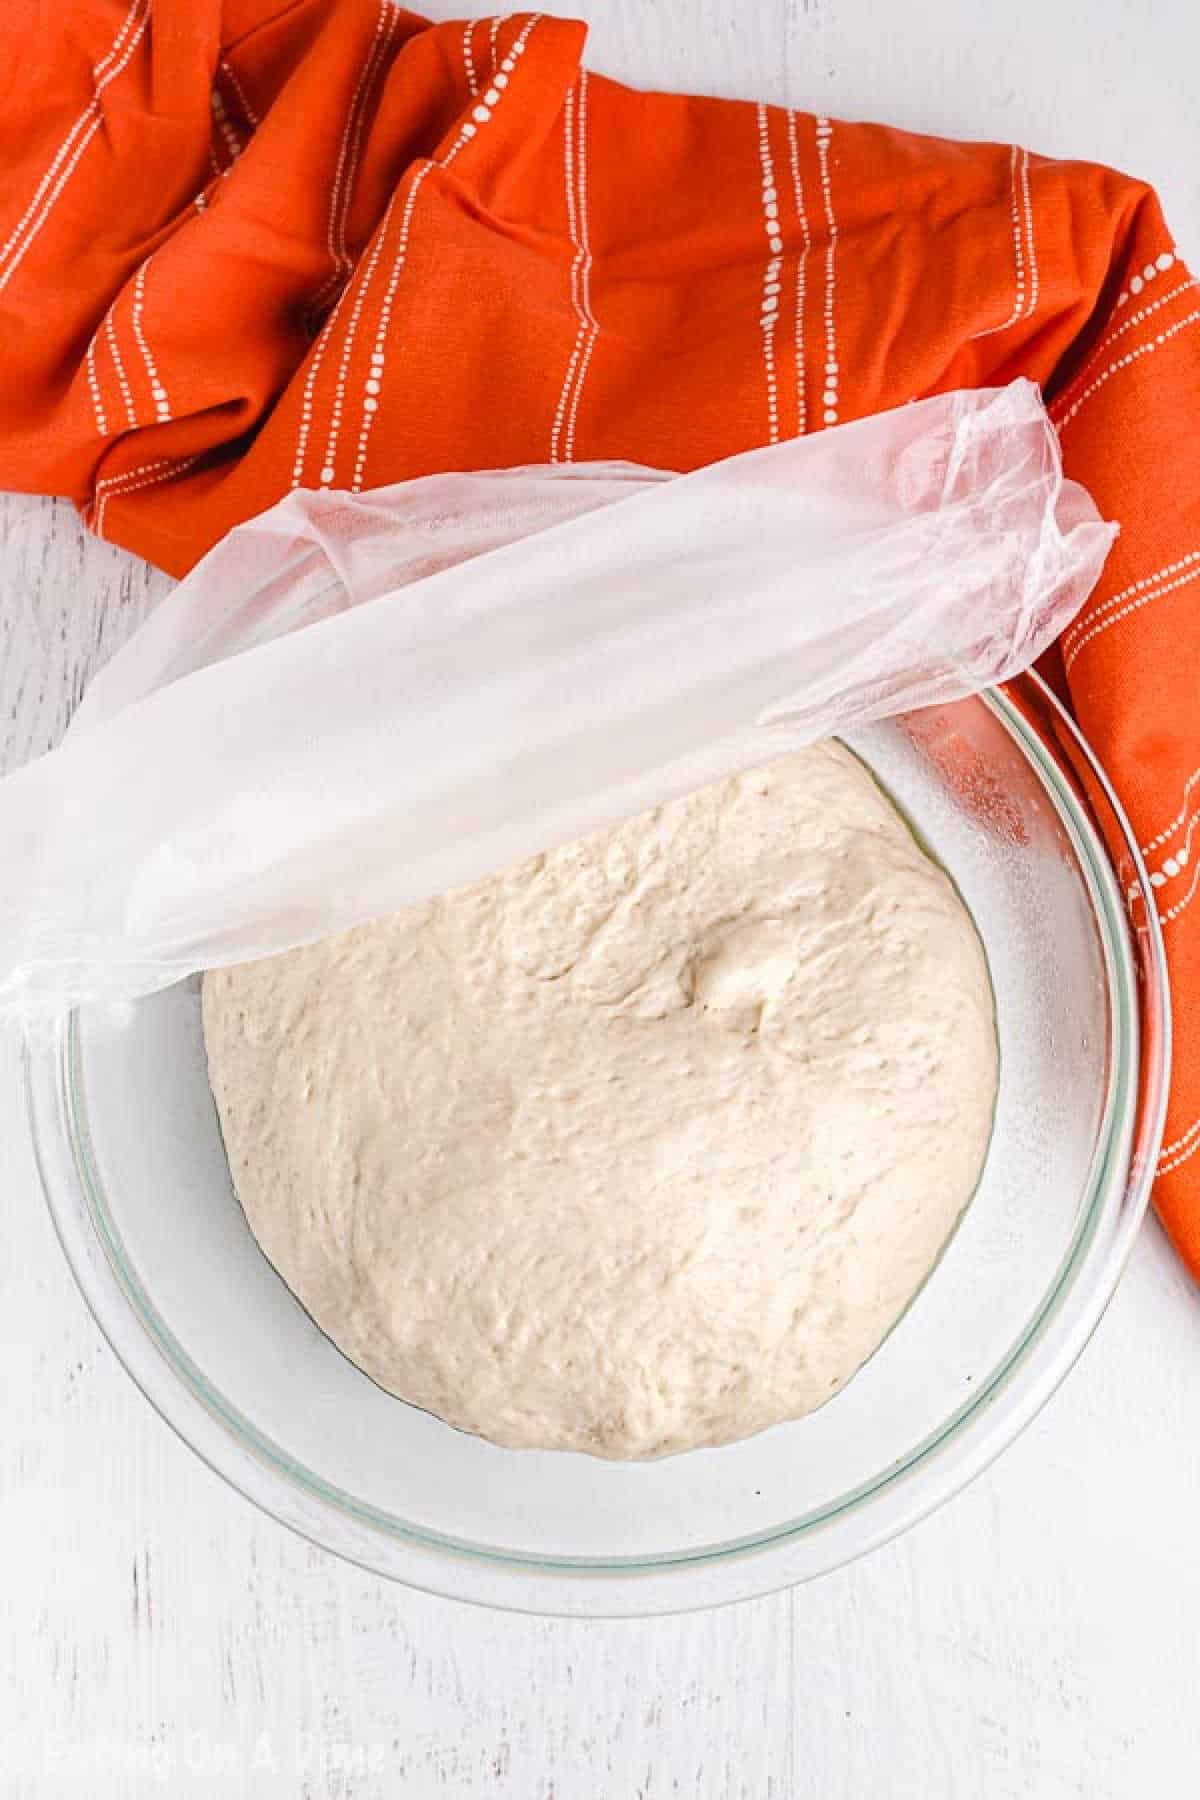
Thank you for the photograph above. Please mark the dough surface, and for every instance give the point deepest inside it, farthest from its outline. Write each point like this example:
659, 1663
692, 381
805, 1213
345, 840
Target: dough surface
642, 1145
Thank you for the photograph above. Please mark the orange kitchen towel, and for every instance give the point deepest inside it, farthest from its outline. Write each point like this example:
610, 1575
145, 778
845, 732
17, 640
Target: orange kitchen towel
248, 246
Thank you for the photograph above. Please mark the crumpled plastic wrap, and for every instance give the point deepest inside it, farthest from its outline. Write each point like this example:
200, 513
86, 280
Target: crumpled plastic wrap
355, 702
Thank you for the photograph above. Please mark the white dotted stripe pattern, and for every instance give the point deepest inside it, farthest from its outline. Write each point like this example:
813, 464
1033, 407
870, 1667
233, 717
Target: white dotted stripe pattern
93, 381
106, 70
583, 370
329, 465
494, 41
772, 285
1169, 831
1124, 362
1087, 619
1180, 1143
119, 366
225, 127
306, 398
19, 245
374, 76
480, 115
801, 268
373, 385
1148, 274
1124, 612
342, 185
469, 58
585, 267
1063, 400
1174, 1162
1031, 247
374, 382
560, 411
1172, 912
162, 406
829, 397
114, 50
115, 487
239, 92
328, 472
1177, 862
118, 480
1017, 311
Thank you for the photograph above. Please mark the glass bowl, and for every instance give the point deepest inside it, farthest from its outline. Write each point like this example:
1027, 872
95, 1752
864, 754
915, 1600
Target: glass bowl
1003, 791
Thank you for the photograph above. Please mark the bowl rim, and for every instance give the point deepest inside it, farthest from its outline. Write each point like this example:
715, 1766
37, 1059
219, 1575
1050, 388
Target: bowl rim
878, 1509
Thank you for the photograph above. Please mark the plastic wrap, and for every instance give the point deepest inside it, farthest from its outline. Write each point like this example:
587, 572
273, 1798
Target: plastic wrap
355, 702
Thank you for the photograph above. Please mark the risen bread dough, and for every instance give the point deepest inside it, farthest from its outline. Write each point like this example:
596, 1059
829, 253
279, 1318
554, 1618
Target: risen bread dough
642, 1145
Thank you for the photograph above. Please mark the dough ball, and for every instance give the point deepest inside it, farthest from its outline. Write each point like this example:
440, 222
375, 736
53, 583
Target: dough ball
642, 1145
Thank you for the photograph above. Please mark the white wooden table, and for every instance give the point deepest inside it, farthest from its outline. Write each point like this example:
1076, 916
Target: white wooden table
1038, 1639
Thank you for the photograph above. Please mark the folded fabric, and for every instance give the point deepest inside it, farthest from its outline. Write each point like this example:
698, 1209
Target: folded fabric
247, 248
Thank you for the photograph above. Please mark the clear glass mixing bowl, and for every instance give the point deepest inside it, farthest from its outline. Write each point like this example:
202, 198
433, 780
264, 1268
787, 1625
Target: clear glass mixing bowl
1003, 791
